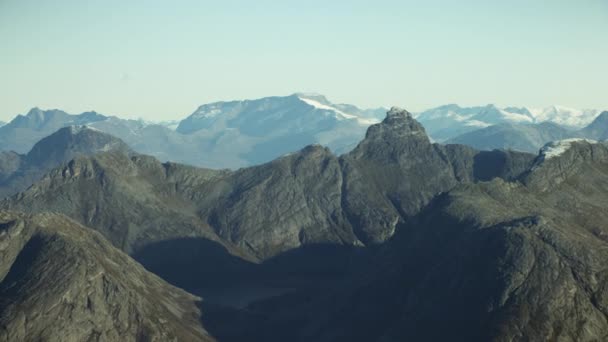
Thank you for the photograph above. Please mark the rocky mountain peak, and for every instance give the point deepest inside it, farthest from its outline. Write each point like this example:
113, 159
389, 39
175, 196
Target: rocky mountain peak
71, 141
397, 123
399, 135
397, 112
559, 160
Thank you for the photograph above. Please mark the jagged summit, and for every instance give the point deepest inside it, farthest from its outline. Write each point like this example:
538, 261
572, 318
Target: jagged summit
397, 124
397, 112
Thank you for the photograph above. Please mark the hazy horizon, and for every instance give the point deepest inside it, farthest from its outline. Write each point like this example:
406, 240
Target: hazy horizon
161, 61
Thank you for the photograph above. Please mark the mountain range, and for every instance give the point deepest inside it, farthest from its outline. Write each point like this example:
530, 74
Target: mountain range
449, 121
529, 137
237, 134
398, 239
18, 172
219, 135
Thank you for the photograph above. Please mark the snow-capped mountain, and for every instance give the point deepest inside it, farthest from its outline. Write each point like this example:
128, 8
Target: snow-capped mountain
449, 121
569, 117
301, 108
254, 131
557, 148
217, 135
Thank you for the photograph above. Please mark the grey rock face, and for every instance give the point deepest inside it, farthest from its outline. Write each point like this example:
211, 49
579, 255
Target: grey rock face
491, 261
60, 281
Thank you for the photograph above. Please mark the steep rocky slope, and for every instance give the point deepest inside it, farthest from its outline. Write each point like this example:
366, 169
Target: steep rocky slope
60, 281
493, 261
521, 260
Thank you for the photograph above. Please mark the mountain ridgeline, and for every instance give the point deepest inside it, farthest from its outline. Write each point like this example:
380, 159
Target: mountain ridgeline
530, 137
308, 197
17, 172
219, 135
399, 239
243, 133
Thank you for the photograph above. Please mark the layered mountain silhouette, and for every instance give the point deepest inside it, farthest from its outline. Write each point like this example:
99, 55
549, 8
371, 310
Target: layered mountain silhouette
530, 137
17, 172
219, 135
598, 129
311, 196
519, 137
399, 239
450, 121
24, 131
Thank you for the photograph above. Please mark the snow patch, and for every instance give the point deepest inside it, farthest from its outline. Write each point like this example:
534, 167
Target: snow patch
477, 123
557, 148
208, 111
75, 129
340, 114
565, 116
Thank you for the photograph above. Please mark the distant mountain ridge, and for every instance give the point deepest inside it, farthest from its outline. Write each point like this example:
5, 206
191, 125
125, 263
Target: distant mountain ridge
450, 121
530, 137
17, 171
598, 129
218, 135
237, 134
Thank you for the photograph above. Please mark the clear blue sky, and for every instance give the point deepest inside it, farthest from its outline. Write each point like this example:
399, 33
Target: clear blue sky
161, 59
